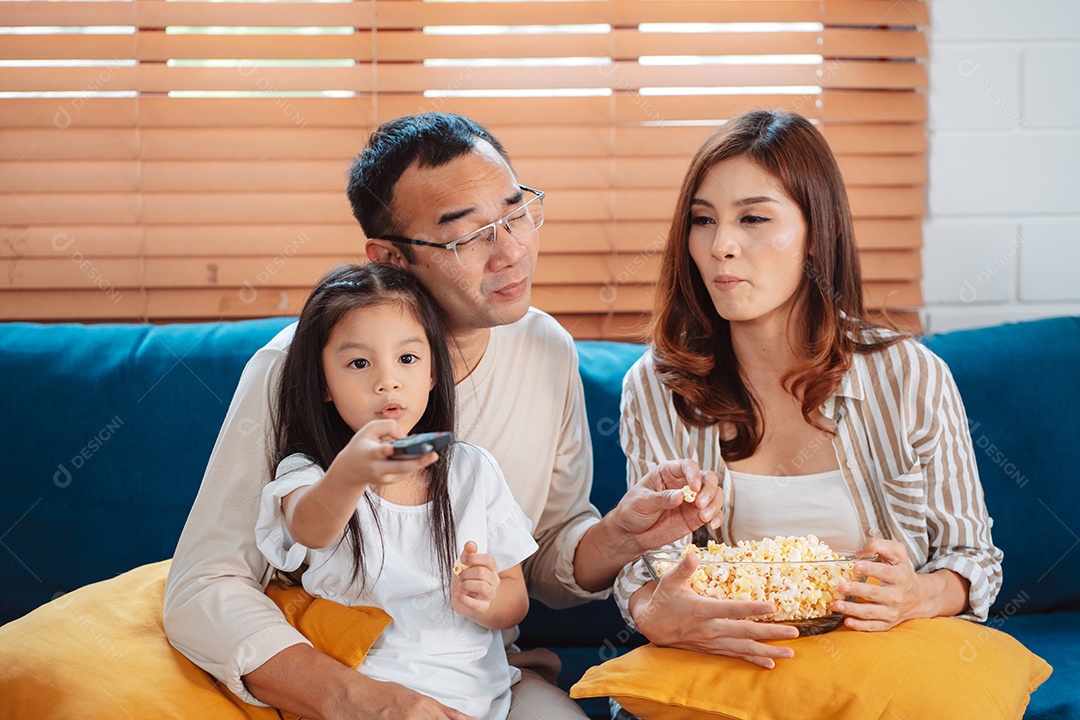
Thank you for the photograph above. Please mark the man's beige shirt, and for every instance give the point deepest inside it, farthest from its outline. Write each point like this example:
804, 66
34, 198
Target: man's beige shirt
523, 403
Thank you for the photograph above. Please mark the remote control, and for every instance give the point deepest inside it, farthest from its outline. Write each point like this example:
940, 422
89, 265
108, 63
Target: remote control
414, 446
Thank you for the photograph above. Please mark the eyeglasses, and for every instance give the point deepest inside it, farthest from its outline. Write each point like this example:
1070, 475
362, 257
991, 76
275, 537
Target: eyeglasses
474, 249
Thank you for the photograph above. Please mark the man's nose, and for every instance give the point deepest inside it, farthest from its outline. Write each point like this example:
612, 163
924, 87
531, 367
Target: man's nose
510, 247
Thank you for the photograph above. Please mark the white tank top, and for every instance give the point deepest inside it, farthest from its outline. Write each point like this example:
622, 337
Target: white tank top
819, 504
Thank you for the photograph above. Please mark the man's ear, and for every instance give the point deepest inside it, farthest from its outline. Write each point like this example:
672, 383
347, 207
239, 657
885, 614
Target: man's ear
384, 251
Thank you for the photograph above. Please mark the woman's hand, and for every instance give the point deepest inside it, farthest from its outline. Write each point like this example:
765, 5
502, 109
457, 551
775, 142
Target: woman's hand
902, 594
671, 614
365, 460
654, 512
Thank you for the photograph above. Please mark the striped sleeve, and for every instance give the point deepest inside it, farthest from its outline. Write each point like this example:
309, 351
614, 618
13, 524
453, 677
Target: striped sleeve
957, 521
648, 439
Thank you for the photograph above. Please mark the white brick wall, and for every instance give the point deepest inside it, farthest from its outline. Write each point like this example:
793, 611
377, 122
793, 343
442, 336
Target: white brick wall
1002, 231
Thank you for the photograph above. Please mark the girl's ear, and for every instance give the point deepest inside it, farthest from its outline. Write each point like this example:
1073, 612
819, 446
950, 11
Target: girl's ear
432, 382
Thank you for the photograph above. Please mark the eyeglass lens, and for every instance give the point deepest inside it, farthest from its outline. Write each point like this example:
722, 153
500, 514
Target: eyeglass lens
477, 247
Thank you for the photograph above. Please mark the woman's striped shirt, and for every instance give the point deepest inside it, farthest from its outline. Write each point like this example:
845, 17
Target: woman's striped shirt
903, 445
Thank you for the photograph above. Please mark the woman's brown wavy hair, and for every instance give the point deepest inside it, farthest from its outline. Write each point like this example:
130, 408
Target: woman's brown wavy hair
691, 343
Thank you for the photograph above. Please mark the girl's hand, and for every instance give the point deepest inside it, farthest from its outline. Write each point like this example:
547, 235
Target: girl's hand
902, 594
366, 459
473, 590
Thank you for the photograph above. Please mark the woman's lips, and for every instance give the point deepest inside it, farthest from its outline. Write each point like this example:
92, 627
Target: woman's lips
726, 282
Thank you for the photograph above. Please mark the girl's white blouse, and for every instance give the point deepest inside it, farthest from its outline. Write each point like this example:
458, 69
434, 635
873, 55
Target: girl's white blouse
427, 647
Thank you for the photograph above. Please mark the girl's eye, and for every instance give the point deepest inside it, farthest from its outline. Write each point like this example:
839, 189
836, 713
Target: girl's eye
701, 220
408, 359
755, 220
359, 364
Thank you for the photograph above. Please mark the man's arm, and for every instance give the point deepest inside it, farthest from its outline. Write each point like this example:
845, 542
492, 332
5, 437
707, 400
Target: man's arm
581, 554
653, 513
215, 611
303, 681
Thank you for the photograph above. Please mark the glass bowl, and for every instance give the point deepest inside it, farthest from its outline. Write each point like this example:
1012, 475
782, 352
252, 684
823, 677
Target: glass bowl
803, 591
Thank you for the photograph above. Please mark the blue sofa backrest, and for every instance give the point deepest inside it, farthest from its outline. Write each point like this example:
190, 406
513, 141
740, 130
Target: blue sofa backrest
1021, 389
107, 429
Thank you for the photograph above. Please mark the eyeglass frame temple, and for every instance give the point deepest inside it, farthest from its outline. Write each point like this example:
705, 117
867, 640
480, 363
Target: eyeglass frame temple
540, 194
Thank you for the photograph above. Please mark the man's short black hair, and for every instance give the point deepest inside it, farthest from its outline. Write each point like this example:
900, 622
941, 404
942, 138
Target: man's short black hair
429, 140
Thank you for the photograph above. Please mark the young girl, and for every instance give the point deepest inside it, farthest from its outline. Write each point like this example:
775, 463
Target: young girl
369, 364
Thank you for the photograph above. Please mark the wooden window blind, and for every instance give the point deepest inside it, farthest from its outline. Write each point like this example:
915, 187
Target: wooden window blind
181, 161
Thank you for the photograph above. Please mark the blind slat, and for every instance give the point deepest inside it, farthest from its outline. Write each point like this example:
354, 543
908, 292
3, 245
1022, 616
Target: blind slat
552, 174
159, 46
64, 113
332, 207
63, 14
851, 43
877, 13
68, 144
110, 303
76, 269
252, 239
397, 46
72, 208
622, 76
632, 12
66, 47
855, 110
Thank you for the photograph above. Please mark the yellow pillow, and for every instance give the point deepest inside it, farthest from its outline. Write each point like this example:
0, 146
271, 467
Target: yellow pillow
927, 669
101, 652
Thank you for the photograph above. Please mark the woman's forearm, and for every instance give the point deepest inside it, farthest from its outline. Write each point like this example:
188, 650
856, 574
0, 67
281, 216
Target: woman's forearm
945, 594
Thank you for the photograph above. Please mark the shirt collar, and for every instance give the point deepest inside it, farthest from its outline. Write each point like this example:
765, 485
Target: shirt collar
851, 383
850, 387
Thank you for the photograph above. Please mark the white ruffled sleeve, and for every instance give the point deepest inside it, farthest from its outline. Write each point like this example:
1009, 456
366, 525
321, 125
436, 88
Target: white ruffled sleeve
510, 538
271, 534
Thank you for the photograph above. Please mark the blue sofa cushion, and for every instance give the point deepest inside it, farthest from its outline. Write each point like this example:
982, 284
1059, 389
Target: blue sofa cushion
1021, 388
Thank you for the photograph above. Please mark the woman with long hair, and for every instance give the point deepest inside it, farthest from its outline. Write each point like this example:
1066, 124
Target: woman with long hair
763, 368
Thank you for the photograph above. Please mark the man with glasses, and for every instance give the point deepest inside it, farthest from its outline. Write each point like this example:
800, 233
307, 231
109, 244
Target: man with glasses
435, 194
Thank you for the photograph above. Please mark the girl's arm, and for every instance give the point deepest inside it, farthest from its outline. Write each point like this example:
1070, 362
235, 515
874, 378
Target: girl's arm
492, 599
316, 514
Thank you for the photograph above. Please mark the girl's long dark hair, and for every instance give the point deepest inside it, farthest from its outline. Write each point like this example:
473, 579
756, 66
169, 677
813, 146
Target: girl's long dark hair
304, 422
692, 343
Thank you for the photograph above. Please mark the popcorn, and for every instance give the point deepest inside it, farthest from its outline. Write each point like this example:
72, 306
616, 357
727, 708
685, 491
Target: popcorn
459, 568
688, 494
799, 575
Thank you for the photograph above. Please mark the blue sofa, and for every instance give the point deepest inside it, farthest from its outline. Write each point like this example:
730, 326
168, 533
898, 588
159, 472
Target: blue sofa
109, 427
